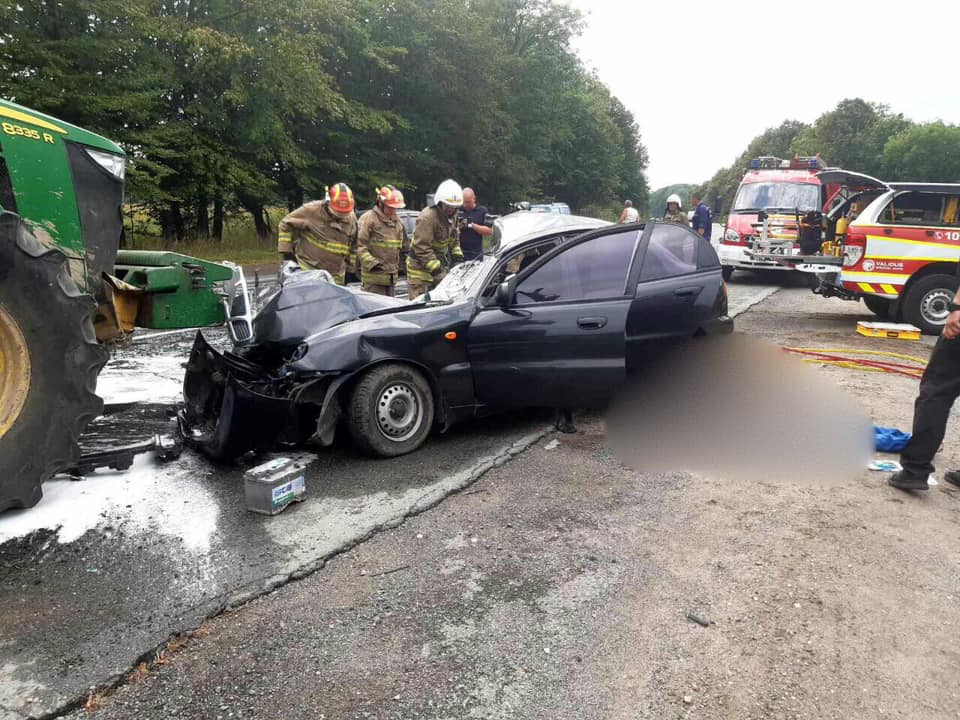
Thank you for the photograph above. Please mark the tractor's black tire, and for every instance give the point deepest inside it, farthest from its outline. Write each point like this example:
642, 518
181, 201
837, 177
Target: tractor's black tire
55, 321
378, 391
879, 306
925, 304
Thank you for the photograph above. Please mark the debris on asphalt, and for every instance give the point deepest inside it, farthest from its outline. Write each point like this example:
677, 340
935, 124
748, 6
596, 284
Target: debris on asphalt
391, 571
703, 622
271, 486
552, 445
885, 465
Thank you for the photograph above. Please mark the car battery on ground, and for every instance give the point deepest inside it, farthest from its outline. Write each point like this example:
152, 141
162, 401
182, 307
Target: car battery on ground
896, 331
270, 487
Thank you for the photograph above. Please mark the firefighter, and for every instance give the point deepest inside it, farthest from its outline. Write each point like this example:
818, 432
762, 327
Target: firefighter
436, 241
322, 235
674, 213
380, 238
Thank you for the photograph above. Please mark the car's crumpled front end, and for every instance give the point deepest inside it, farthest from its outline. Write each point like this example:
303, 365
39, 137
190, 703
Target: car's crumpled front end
251, 398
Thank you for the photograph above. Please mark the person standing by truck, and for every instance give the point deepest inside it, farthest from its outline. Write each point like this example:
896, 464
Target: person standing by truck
939, 390
322, 235
380, 238
436, 240
702, 222
674, 211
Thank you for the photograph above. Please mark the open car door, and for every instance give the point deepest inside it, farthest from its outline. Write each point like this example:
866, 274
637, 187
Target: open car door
555, 335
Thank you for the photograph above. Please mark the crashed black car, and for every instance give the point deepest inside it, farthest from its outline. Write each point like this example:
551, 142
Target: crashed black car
554, 317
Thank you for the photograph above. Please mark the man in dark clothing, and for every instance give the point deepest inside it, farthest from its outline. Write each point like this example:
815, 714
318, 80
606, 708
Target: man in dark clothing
473, 226
702, 222
939, 388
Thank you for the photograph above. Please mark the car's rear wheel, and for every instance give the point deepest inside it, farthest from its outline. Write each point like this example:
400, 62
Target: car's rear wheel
391, 410
726, 271
927, 300
879, 306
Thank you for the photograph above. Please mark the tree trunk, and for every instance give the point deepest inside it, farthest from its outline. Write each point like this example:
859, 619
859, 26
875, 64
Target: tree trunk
171, 224
218, 219
203, 218
260, 222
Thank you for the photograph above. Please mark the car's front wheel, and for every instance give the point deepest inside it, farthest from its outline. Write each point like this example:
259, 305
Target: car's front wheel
391, 410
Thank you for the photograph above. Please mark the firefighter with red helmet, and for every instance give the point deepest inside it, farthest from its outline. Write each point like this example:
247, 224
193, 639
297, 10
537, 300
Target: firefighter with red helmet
436, 240
380, 238
322, 235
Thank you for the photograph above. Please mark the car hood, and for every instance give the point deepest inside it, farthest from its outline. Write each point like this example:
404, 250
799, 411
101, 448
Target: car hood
307, 304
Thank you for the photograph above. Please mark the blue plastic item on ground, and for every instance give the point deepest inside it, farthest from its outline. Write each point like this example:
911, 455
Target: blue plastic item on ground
889, 439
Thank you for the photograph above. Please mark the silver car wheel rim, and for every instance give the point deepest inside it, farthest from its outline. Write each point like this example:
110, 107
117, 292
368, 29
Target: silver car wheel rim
934, 306
399, 412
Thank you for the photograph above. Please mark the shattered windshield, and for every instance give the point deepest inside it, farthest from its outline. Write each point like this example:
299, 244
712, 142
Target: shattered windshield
784, 196
458, 281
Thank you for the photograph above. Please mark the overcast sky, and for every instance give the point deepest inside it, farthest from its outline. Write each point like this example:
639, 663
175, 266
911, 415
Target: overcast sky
704, 78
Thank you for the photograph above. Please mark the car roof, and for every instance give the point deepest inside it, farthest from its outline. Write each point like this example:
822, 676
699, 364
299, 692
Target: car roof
517, 227
934, 188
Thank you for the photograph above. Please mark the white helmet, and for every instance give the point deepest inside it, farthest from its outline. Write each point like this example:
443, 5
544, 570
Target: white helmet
675, 198
450, 193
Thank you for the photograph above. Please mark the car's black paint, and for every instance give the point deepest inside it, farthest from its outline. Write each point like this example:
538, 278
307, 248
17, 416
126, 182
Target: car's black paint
313, 339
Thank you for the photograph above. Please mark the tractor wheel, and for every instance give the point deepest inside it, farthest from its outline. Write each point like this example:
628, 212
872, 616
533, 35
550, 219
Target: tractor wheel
49, 362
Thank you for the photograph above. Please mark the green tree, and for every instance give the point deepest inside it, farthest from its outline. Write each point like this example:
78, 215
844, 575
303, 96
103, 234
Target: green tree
852, 135
924, 153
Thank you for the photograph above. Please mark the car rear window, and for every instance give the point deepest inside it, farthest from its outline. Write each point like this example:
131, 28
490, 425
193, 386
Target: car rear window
919, 208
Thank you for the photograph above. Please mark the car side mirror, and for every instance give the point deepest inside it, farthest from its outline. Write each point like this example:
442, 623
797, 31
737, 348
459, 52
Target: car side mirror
504, 294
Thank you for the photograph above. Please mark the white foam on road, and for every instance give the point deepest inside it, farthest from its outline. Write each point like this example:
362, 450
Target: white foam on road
150, 497
149, 379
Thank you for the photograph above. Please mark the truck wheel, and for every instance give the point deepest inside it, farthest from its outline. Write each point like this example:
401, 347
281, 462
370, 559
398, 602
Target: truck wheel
727, 272
926, 302
879, 306
391, 411
49, 362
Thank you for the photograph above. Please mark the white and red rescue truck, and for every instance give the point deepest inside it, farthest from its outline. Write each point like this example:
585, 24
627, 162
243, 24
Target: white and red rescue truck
899, 254
779, 192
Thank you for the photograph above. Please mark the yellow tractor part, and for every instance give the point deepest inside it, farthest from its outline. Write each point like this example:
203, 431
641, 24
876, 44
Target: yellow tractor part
14, 371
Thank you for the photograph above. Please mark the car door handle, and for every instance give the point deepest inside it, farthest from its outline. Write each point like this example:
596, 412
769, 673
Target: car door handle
929, 233
688, 291
594, 323
888, 231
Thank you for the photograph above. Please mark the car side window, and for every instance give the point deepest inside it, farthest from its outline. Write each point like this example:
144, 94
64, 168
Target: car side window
673, 250
591, 270
914, 208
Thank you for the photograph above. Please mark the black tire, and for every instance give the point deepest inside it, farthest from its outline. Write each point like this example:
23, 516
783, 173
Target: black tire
879, 306
727, 272
380, 394
925, 304
54, 322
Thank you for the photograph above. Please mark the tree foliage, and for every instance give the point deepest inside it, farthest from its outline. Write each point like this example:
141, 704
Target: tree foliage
255, 103
856, 135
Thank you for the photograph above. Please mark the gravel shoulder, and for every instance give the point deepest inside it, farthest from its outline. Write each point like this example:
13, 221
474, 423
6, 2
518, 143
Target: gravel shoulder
563, 585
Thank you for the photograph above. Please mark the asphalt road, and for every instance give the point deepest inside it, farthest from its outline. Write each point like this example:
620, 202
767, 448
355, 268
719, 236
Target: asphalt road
105, 570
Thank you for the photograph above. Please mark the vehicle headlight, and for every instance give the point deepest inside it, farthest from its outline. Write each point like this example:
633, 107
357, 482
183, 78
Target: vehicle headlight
111, 162
731, 236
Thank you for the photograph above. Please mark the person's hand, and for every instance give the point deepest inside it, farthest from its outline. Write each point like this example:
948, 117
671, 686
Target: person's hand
952, 329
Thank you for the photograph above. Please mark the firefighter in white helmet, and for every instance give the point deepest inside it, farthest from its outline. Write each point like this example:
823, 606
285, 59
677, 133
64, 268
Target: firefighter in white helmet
674, 213
436, 240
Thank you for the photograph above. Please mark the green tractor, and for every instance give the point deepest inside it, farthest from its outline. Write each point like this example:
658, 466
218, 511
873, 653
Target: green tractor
67, 291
